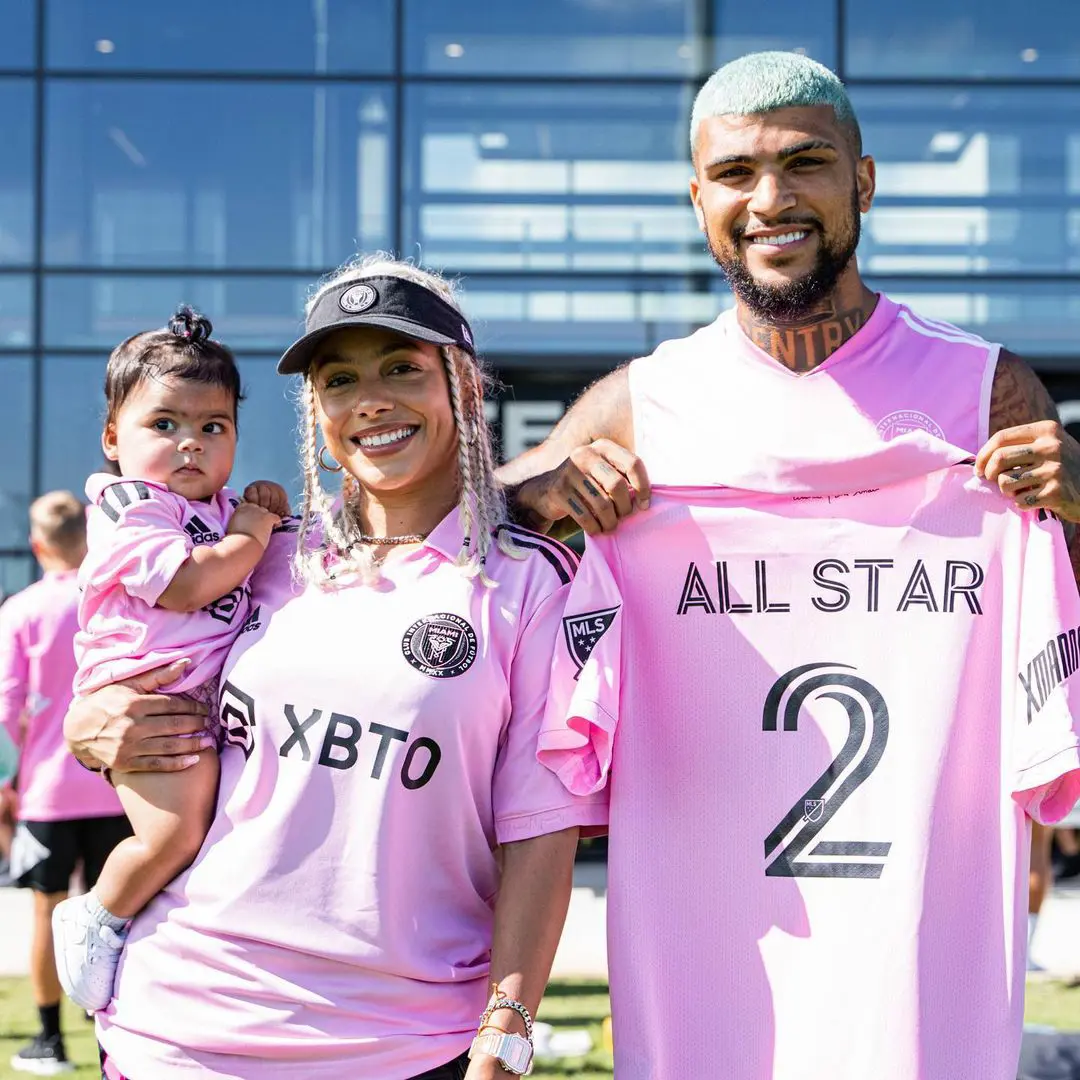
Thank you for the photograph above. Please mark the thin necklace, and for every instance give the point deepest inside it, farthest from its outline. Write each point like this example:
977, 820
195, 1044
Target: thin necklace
410, 538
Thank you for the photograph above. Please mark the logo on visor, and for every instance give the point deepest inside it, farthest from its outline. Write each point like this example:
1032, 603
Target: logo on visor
358, 298
466, 336
440, 646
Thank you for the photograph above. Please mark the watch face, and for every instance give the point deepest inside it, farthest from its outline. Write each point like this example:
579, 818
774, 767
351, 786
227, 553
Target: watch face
517, 1053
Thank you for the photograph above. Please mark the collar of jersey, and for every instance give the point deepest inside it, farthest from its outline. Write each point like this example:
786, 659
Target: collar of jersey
446, 538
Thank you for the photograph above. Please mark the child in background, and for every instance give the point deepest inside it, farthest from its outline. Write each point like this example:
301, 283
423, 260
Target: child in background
170, 553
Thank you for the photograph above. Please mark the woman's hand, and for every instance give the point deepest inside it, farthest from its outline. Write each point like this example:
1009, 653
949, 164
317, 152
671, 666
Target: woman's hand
129, 727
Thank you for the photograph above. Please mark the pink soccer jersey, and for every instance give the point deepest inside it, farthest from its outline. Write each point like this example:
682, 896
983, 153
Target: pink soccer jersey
138, 535
338, 920
714, 408
37, 665
824, 719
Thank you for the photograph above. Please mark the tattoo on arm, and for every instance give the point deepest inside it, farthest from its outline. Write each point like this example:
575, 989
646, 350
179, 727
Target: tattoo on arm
1018, 396
602, 412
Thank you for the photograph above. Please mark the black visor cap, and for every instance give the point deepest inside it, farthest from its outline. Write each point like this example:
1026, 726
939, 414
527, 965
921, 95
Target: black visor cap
390, 302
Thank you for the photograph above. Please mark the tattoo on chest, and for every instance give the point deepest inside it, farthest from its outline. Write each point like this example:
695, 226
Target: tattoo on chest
803, 346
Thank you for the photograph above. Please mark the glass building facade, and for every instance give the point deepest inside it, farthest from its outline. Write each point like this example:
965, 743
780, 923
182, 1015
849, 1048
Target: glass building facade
228, 154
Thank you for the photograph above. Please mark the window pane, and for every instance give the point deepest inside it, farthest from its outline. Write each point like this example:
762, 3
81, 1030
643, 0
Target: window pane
17, 22
648, 37
585, 317
963, 38
16, 303
972, 181
268, 447
216, 174
1033, 318
16, 572
252, 313
804, 26
212, 35
16, 170
74, 401
550, 178
16, 409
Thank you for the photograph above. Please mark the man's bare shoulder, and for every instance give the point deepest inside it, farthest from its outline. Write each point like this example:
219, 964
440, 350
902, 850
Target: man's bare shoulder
1018, 395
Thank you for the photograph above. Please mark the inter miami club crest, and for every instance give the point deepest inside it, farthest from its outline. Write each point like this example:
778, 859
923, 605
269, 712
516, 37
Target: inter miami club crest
236, 714
358, 298
584, 631
440, 645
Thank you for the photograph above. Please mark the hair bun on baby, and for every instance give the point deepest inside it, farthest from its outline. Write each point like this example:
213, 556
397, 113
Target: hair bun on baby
188, 324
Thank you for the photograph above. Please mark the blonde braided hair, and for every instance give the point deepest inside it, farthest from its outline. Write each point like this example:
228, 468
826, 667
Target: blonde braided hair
481, 505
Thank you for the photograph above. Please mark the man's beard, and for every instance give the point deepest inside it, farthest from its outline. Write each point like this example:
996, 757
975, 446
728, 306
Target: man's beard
792, 301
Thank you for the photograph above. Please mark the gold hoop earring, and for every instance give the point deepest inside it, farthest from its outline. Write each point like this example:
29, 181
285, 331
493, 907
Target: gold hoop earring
336, 467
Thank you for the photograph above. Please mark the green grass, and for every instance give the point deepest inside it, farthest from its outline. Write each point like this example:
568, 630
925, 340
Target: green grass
569, 1004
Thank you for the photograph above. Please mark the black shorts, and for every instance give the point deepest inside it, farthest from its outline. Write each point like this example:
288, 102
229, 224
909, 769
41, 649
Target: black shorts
454, 1070
44, 853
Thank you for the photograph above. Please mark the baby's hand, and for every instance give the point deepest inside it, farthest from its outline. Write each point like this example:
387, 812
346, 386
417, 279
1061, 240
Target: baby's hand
269, 496
250, 519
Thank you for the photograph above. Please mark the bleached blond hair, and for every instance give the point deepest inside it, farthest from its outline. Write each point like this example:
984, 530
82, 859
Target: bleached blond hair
335, 554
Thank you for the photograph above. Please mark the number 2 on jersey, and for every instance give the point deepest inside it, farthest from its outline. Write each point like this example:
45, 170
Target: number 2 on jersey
813, 810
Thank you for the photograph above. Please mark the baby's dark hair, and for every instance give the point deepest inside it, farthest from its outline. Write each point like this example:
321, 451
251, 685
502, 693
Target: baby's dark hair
183, 349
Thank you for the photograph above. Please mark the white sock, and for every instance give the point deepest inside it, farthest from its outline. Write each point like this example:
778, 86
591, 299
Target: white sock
101, 914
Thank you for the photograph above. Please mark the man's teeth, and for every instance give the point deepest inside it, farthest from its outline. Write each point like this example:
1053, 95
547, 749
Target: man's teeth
386, 438
778, 241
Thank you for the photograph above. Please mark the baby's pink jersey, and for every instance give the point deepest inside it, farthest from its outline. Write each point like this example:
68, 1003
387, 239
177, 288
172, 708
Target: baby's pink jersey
713, 408
825, 718
37, 665
382, 743
139, 533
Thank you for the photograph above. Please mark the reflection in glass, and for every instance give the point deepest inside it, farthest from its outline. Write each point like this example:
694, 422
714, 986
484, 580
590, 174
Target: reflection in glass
647, 37
1034, 318
316, 36
16, 170
17, 24
253, 313
16, 572
550, 178
15, 435
16, 303
971, 181
268, 447
802, 26
963, 38
216, 174
592, 317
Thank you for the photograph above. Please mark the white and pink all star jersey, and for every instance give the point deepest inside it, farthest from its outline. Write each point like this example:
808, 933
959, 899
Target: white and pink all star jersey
138, 535
382, 744
713, 408
37, 665
824, 719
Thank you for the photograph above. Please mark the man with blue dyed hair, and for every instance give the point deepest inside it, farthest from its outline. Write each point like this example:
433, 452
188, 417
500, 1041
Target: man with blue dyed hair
787, 898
